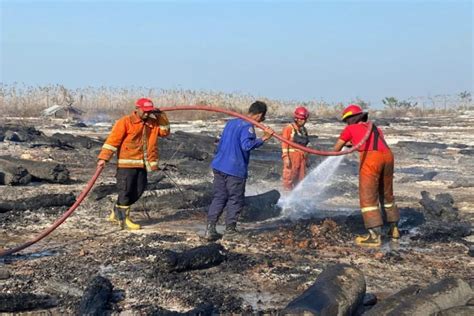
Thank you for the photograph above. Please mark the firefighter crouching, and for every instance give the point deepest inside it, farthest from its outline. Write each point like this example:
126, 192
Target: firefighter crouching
375, 176
135, 139
295, 161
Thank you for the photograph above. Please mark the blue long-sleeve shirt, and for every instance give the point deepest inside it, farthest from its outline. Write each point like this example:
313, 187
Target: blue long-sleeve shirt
233, 151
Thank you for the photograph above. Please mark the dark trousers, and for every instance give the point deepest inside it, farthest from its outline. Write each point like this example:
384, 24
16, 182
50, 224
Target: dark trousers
131, 182
228, 191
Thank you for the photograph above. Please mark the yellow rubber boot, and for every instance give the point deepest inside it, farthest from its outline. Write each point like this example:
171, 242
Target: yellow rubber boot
128, 222
111, 217
118, 215
372, 239
394, 232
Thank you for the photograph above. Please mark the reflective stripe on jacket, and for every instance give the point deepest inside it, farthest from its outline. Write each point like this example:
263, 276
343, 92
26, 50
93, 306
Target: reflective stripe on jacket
289, 133
136, 141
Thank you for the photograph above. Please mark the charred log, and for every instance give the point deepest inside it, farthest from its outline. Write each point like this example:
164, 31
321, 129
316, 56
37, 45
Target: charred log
457, 311
338, 290
440, 208
97, 295
41, 170
184, 197
261, 207
60, 288
444, 232
447, 293
10, 302
76, 141
46, 200
198, 258
45, 141
19, 133
189, 146
391, 302
13, 174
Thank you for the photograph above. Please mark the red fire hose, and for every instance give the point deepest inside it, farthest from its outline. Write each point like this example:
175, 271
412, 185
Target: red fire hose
91, 182
260, 125
60, 220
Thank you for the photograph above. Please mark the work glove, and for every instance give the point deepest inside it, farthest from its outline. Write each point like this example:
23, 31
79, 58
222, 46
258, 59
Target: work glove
286, 162
155, 113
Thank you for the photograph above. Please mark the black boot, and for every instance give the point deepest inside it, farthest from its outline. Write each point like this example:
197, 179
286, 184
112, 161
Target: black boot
231, 231
211, 232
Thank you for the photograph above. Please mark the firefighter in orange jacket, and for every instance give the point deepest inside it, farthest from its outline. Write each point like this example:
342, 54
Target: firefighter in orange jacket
295, 160
134, 138
375, 176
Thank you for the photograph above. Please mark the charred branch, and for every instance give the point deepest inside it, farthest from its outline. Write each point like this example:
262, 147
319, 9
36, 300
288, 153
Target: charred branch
76, 141
97, 295
46, 200
261, 207
10, 302
13, 174
201, 257
338, 290
447, 293
40, 170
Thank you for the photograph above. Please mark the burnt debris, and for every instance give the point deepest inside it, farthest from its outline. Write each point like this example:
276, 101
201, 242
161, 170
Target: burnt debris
33, 203
19, 302
96, 298
445, 294
198, 258
338, 290
39, 170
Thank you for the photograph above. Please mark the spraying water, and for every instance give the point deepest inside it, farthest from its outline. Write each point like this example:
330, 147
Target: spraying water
308, 195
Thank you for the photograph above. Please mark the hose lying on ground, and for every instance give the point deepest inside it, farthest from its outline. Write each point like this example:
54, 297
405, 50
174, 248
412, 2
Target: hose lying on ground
60, 220
91, 182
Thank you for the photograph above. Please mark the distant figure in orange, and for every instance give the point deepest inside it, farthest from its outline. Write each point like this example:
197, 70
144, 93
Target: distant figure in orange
295, 160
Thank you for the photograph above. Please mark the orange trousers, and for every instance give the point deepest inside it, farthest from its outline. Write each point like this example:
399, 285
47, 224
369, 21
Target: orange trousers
296, 172
376, 185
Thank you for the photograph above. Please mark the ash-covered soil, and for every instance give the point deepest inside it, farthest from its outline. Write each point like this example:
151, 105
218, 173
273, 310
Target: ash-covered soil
274, 260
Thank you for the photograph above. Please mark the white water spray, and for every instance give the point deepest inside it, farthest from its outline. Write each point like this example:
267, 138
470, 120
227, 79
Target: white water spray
308, 195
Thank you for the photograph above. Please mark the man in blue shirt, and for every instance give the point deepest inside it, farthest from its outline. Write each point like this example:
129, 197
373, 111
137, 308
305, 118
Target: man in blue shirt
230, 167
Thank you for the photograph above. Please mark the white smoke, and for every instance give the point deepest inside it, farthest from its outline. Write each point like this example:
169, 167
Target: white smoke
308, 197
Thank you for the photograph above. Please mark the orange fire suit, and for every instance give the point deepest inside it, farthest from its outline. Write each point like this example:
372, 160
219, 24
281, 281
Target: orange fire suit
136, 141
296, 172
376, 182
375, 175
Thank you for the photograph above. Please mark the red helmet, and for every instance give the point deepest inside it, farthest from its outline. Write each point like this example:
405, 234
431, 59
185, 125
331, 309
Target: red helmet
145, 104
301, 113
351, 110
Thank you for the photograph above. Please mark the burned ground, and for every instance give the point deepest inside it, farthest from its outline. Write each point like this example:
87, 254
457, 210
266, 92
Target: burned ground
274, 261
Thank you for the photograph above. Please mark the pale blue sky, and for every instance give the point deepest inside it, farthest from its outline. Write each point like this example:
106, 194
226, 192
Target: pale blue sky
300, 50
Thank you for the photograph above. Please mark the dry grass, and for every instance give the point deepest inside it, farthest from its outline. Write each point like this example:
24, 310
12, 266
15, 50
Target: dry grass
101, 103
